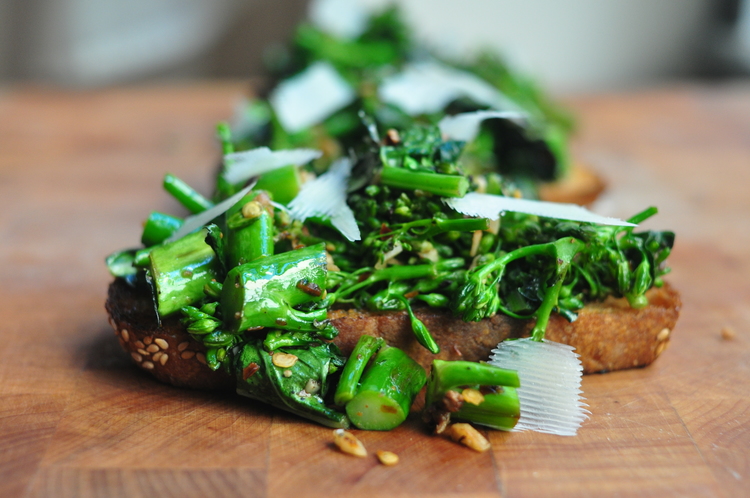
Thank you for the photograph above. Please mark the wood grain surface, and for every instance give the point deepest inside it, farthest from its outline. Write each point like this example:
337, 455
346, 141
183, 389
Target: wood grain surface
79, 171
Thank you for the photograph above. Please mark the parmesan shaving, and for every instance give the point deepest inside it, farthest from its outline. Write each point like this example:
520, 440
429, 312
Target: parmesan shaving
465, 126
310, 97
492, 206
195, 222
325, 196
427, 87
241, 166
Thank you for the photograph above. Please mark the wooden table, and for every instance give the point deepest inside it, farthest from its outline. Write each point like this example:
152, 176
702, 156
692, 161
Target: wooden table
80, 170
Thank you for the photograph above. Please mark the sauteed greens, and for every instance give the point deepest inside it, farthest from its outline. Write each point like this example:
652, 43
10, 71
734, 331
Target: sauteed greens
255, 284
362, 218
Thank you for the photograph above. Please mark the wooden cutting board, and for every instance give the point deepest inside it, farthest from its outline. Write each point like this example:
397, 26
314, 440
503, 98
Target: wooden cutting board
80, 170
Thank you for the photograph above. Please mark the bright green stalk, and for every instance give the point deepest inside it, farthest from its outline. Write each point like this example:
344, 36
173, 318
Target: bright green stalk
499, 409
386, 392
396, 273
158, 228
436, 183
249, 233
263, 293
283, 184
180, 270
185, 194
355, 366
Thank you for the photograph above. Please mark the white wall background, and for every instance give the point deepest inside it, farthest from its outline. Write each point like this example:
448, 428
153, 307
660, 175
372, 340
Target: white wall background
569, 45
573, 45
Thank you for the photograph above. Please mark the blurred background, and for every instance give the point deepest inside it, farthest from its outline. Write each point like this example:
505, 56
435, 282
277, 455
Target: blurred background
570, 46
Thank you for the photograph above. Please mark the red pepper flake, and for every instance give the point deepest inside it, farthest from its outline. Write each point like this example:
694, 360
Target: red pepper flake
310, 288
384, 229
250, 370
411, 295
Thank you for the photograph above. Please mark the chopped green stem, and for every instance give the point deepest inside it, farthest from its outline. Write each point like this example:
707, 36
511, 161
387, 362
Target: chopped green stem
253, 238
386, 392
224, 134
276, 339
263, 293
434, 226
643, 215
453, 374
398, 272
185, 194
180, 270
499, 264
436, 183
158, 228
565, 250
283, 183
120, 264
141, 259
498, 410
366, 347
460, 225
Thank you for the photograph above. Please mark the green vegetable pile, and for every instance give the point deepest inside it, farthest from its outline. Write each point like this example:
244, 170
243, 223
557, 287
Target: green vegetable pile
254, 285
526, 154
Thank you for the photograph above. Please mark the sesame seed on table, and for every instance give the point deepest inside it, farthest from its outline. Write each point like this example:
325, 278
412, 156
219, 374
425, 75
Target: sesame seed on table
80, 170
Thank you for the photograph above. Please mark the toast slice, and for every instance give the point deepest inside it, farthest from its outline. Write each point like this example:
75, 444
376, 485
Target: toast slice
609, 335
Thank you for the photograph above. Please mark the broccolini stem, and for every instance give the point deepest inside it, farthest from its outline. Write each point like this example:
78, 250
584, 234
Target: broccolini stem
224, 134
395, 273
158, 228
500, 409
453, 374
140, 258
249, 229
434, 226
386, 392
185, 194
459, 225
355, 366
436, 183
276, 339
283, 184
263, 293
545, 310
500, 263
643, 215
180, 270
565, 250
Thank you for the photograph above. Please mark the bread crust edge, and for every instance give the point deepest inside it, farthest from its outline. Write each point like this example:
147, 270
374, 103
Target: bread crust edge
608, 335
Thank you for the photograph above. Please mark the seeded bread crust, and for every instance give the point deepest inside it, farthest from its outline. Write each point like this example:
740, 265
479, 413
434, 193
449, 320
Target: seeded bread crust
609, 335
581, 186
165, 350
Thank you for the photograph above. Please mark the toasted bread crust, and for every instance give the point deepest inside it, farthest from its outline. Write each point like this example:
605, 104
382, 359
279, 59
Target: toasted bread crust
581, 186
609, 335
134, 319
